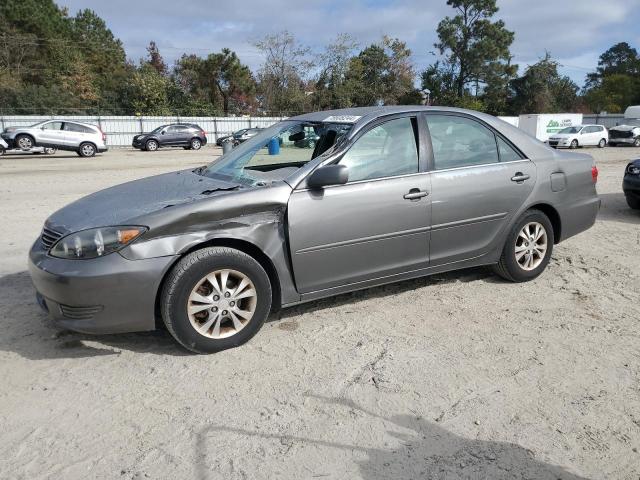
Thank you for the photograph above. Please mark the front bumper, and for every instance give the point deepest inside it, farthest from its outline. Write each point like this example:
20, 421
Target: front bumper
629, 140
104, 295
631, 185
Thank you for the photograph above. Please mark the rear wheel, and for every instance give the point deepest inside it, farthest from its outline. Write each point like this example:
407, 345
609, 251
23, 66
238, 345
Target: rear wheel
87, 150
151, 146
574, 144
215, 298
602, 143
196, 144
528, 248
50, 150
633, 202
25, 142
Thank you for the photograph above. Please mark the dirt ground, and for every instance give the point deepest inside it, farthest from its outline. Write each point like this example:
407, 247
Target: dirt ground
453, 376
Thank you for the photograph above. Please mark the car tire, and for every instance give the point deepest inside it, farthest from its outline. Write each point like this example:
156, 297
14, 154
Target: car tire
87, 150
513, 264
187, 148
636, 142
25, 142
151, 146
195, 144
206, 331
50, 150
633, 203
574, 144
602, 143
2, 151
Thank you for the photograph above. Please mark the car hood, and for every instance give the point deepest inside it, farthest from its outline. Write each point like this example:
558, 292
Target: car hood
562, 136
124, 204
623, 128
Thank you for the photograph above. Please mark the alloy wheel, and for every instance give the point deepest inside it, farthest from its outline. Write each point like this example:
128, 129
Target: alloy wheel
87, 150
531, 246
196, 144
25, 143
222, 303
152, 145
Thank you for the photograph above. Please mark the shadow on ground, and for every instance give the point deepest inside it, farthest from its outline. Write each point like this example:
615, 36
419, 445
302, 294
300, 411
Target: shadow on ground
29, 332
614, 208
421, 449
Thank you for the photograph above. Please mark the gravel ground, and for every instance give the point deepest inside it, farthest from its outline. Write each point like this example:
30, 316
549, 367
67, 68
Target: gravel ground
453, 376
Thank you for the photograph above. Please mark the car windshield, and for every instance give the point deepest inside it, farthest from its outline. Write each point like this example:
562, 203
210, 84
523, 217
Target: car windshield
276, 152
159, 129
570, 130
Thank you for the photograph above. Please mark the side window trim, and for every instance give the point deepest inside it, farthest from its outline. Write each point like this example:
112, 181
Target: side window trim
497, 135
418, 138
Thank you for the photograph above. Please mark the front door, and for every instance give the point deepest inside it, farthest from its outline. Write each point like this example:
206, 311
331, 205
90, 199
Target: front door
52, 134
479, 181
374, 226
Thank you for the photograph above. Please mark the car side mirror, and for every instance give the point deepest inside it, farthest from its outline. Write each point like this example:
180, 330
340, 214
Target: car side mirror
328, 175
163, 132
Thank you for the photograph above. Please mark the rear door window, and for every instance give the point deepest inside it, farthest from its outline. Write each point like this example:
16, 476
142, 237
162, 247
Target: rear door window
461, 142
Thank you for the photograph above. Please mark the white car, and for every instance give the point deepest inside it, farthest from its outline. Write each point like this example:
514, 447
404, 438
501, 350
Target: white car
580, 136
83, 138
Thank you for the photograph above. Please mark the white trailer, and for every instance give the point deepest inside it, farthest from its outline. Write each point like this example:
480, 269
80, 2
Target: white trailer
543, 125
512, 120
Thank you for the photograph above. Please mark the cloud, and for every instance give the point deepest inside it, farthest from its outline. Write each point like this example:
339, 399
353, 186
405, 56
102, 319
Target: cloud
574, 31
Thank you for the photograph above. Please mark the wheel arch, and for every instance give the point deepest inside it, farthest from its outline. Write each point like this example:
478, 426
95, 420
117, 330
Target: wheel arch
242, 245
553, 216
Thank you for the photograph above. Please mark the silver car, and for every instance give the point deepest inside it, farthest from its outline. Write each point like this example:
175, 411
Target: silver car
386, 194
83, 138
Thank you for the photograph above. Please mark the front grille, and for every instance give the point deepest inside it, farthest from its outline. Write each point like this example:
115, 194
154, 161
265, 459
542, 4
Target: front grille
49, 237
80, 313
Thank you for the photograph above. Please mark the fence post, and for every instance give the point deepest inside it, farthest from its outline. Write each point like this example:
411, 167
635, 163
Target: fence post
141, 129
215, 129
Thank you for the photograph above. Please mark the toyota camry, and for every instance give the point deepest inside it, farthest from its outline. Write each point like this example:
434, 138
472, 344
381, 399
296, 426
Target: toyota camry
386, 194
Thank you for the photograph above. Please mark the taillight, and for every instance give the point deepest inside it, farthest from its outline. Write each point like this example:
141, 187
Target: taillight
104, 135
594, 174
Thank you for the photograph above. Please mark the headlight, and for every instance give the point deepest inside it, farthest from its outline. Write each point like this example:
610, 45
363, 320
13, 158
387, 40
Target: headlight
633, 169
96, 242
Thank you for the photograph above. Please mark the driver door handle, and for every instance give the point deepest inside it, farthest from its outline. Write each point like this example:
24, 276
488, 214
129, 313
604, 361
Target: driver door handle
520, 177
415, 194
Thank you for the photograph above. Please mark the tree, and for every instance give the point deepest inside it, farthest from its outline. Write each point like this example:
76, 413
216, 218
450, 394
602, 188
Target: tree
282, 77
331, 87
543, 90
475, 48
149, 92
382, 74
155, 59
616, 82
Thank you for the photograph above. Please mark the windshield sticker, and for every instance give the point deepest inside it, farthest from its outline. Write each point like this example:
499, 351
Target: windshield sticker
343, 118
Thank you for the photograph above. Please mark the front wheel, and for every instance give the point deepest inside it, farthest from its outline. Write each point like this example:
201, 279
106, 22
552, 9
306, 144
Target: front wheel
24, 142
633, 202
151, 146
602, 143
528, 248
574, 144
636, 142
215, 298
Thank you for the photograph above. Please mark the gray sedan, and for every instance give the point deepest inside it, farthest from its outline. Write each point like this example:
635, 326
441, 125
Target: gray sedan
386, 194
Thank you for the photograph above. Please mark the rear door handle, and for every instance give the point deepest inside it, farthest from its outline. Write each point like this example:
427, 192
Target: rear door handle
520, 177
415, 194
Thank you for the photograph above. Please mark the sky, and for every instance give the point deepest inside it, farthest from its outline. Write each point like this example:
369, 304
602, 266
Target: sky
575, 32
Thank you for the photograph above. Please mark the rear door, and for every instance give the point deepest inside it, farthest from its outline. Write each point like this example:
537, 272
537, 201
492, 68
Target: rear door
75, 134
479, 181
374, 226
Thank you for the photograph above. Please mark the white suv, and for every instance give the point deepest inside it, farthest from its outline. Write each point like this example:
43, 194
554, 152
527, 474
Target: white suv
83, 138
580, 136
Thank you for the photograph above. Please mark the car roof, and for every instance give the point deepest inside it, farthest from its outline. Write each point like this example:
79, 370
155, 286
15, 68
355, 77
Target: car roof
361, 116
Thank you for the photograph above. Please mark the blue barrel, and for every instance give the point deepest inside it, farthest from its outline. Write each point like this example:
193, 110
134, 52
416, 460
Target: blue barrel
274, 146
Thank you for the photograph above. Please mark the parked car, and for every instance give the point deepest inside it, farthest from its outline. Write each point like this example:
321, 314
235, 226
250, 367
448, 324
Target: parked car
3, 146
309, 141
624, 135
83, 138
631, 184
186, 135
388, 194
244, 135
580, 136
230, 137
